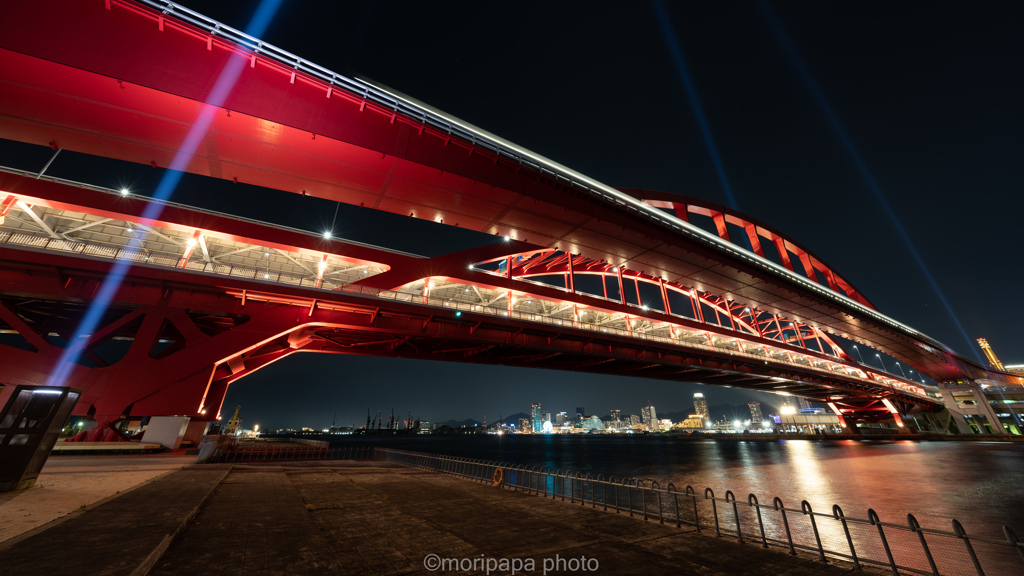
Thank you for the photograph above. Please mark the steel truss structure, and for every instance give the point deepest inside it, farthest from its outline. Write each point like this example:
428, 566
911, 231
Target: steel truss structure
205, 307
590, 278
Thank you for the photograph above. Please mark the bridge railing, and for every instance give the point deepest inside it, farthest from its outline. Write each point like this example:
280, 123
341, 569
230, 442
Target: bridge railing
41, 242
902, 548
478, 138
829, 368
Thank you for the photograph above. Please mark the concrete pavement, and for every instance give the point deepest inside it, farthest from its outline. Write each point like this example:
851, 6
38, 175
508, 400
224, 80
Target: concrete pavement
70, 484
351, 517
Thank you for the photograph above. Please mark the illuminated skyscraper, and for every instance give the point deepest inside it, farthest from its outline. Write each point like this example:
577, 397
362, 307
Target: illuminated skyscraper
580, 413
561, 418
700, 406
545, 418
524, 426
755, 412
650, 417
535, 417
616, 415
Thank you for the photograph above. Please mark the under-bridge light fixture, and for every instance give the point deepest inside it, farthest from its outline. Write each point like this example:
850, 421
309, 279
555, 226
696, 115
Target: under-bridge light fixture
125, 192
327, 235
507, 237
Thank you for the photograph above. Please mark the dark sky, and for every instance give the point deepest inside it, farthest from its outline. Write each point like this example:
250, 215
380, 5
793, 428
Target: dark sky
925, 99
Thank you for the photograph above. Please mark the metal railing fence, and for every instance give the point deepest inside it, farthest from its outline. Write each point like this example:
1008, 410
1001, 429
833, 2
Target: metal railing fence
902, 548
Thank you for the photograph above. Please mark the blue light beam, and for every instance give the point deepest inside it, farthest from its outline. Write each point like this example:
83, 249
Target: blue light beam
858, 160
165, 188
676, 49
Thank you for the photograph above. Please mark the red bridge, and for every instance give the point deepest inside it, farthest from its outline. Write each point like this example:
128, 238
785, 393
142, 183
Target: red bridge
589, 278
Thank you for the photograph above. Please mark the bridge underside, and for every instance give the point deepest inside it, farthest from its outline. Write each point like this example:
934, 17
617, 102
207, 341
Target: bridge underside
296, 133
172, 342
180, 330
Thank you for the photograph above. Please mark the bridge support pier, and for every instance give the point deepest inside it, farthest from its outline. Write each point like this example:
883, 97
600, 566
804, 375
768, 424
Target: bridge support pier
973, 399
961, 422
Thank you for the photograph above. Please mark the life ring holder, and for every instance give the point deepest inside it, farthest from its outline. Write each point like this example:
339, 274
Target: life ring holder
499, 477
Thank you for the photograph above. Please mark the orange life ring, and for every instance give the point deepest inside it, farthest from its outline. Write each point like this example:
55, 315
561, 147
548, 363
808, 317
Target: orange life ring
499, 476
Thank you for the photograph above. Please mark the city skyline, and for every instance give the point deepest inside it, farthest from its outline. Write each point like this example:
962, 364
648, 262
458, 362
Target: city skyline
350, 403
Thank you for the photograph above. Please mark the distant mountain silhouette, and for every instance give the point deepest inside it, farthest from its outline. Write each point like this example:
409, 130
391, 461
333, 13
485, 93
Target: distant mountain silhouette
513, 419
469, 422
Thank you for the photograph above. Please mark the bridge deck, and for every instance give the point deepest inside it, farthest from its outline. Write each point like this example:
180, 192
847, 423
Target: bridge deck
286, 127
235, 252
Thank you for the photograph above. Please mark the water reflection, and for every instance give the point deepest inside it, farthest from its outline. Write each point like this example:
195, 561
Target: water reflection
977, 483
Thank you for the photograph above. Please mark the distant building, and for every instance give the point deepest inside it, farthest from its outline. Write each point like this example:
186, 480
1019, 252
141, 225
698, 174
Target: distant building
650, 418
755, 412
634, 420
524, 426
984, 406
616, 415
665, 424
425, 428
561, 419
806, 421
536, 425
580, 413
700, 406
693, 422
545, 418
592, 423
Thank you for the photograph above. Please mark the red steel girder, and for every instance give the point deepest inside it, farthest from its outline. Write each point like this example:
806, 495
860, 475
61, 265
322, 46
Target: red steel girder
296, 133
269, 326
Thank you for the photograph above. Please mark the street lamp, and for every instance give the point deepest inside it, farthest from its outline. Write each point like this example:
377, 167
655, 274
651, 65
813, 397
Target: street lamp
901, 369
882, 362
858, 353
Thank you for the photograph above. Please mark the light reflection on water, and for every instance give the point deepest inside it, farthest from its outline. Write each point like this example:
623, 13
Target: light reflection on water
978, 483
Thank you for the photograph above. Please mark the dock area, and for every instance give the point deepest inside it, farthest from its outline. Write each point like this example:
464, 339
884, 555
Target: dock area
368, 517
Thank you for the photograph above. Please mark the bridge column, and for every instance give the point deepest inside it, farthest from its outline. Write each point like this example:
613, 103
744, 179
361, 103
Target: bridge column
961, 422
848, 423
969, 399
900, 424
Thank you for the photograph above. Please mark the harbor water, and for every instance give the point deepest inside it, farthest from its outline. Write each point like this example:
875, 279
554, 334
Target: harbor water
981, 484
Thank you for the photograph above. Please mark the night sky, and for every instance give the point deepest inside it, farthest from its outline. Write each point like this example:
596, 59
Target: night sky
852, 127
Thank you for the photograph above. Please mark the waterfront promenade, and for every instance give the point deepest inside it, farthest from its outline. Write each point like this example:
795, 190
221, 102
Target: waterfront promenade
73, 484
366, 517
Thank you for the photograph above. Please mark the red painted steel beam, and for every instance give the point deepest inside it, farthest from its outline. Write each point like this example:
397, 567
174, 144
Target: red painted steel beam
183, 382
295, 133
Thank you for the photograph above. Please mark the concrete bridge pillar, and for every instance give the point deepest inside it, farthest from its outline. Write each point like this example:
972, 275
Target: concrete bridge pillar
961, 422
970, 398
